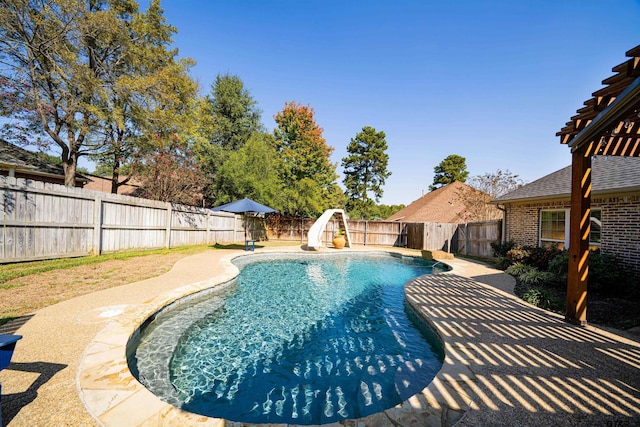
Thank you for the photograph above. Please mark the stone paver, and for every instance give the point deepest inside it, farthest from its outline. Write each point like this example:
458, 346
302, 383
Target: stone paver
507, 363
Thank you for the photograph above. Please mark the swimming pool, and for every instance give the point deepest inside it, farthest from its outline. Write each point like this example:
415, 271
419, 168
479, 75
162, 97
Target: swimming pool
295, 339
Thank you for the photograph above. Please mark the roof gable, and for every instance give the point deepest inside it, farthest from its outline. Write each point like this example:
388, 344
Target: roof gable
446, 204
609, 175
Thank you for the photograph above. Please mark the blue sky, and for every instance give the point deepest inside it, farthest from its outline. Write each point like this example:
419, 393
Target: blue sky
492, 81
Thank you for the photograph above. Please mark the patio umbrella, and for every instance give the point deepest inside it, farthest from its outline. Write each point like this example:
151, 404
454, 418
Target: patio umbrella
244, 207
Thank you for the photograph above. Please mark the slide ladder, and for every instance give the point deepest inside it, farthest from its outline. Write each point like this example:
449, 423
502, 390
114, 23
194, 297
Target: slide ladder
314, 239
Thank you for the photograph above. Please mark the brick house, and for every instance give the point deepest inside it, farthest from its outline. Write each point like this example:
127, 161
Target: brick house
20, 163
537, 214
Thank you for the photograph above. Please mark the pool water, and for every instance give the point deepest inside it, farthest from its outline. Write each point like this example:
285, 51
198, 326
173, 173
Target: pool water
304, 340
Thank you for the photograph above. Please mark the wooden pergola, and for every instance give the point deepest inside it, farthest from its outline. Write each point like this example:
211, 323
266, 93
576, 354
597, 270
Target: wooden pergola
608, 125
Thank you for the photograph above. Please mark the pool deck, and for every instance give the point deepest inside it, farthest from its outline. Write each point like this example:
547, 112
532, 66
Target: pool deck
506, 363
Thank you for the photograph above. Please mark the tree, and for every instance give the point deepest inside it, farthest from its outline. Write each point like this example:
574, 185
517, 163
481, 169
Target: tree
74, 71
251, 172
172, 175
496, 184
168, 169
365, 170
230, 113
452, 168
132, 92
228, 118
308, 176
489, 186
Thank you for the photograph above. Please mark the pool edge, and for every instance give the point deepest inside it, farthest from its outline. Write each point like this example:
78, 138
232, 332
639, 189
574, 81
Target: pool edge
113, 396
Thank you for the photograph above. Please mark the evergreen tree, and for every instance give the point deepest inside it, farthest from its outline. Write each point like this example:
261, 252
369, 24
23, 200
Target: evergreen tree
308, 176
228, 118
452, 168
365, 170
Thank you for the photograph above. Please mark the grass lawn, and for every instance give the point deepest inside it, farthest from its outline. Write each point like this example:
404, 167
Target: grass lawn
29, 286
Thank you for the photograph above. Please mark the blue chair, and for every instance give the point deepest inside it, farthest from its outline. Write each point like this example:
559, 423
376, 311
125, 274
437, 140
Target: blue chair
249, 243
7, 345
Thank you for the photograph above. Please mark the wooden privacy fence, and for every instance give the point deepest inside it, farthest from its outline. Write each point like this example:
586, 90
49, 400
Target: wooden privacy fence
383, 233
43, 221
472, 238
475, 238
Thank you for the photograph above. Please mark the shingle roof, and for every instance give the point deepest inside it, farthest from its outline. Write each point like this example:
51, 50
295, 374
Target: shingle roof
609, 175
446, 205
29, 162
12, 155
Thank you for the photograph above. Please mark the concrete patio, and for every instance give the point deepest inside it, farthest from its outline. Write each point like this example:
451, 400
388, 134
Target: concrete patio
507, 363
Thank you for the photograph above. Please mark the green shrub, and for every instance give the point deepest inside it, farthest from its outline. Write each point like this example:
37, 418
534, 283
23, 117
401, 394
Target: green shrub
502, 263
500, 249
543, 299
536, 277
541, 257
538, 297
559, 267
517, 270
606, 274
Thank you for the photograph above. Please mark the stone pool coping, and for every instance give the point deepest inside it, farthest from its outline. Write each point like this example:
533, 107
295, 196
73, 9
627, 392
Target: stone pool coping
115, 398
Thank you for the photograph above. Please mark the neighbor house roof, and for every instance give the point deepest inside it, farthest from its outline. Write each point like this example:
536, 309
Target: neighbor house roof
609, 175
28, 162
446, 204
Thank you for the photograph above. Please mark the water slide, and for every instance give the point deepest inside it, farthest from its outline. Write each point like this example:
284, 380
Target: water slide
315, 232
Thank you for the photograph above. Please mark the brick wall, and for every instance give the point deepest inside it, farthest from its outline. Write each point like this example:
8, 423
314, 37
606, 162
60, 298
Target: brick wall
620, 224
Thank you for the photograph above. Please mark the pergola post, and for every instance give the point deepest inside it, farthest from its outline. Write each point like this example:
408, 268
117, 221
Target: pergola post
580, 227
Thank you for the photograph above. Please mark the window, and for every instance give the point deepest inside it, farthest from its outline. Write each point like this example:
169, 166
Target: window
554, 228
596, 228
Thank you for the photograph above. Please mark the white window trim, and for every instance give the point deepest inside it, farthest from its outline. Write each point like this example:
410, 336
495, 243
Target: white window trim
593, 219
567, 222
566, 228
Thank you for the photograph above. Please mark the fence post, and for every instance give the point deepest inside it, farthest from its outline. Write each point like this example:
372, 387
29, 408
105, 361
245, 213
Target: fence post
208, 219
366, 228
466, 238
97, 226
167, 237
424, 236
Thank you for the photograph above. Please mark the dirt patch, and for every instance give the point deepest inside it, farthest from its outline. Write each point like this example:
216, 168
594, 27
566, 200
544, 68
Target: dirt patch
25, 295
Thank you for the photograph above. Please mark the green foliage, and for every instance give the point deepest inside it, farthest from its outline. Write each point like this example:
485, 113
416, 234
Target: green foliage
375, 212
251, 171
85, 76
502, 263
540, 297
227, 119
536, 277
541, 257
529, 275
500, 249
452, 168
559, 267
230, 114
365, 170
606, 273
308, 176
517, 270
